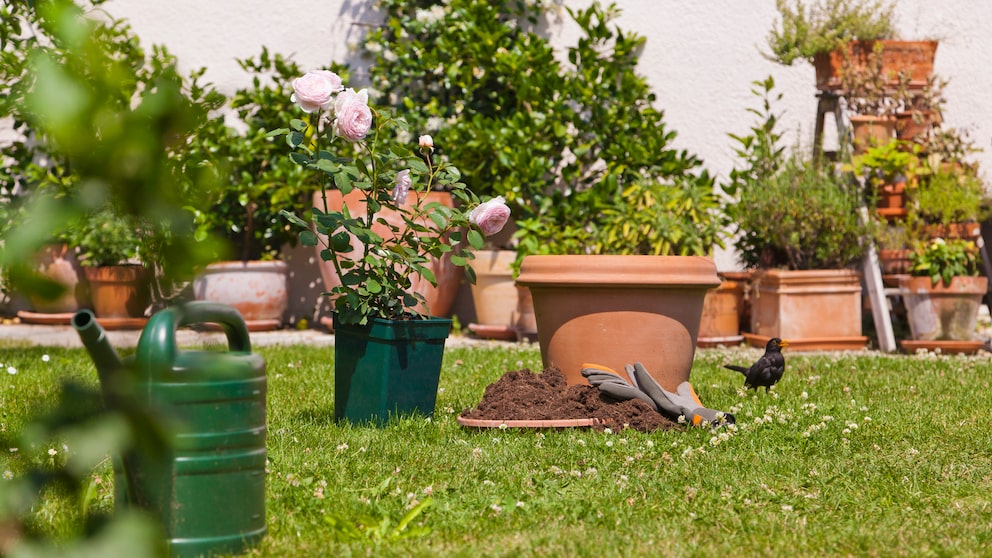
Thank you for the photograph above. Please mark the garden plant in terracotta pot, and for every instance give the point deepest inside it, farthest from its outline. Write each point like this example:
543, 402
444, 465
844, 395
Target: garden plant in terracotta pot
387, 352
950, 202
798, 227
943, 294
257, 180
888, 170
832, 33
118, 259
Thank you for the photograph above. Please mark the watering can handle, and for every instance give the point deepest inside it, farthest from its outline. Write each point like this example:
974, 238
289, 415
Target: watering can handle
157, 345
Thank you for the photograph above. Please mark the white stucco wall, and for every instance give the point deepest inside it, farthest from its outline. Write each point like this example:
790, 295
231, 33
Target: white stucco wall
700, 57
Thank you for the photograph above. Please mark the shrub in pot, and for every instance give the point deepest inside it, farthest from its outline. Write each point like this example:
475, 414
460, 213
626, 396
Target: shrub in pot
803, 31
797, 223
832, 33
118, 258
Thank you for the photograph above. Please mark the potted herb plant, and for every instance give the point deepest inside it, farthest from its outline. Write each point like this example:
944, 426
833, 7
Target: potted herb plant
949, 203
387, 352
888, 169
827, 32
799, 228
943, 294
118, 259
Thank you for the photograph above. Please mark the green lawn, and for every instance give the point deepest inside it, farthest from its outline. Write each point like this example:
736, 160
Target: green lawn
853, 454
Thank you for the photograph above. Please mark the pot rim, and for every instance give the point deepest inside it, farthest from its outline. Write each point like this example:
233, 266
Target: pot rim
618, 271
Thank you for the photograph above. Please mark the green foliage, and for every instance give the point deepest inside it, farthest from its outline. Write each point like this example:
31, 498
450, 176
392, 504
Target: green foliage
804, 29
942, 260
885, 163
791, 212
103, 126
375, 259
804, 217
258, 180
561, 142
949, 195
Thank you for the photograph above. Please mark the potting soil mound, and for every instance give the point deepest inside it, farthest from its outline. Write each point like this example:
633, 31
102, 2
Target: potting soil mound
524, 395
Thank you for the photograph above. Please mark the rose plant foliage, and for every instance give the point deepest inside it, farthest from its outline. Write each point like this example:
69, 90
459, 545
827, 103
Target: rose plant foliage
375, 268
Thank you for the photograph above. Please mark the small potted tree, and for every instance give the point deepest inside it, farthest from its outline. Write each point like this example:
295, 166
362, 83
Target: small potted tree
942, 296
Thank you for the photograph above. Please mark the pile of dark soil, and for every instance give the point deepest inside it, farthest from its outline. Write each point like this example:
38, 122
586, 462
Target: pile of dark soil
523, 395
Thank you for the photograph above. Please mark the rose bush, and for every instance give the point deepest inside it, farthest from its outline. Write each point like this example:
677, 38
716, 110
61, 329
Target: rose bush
376, 270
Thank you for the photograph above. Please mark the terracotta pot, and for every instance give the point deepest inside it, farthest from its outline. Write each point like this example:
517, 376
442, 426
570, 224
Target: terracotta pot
615, 310
891, 195
871, 130
915, 57
494, 293
58, 263
943, 312
721, 318
441, 298
966, 231
119, 291
811, 309
256, 289
909, 129
502, 309
894, 261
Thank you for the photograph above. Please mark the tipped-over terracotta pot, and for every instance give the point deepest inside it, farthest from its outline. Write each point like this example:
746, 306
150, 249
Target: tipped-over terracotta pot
614, 310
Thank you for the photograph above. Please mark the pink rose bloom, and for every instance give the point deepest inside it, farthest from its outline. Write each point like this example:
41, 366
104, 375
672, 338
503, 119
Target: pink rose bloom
352, 115
402, 188
490, 216
427, 141
315, 91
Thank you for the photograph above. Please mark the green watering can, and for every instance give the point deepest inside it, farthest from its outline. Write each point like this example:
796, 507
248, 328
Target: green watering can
206, 482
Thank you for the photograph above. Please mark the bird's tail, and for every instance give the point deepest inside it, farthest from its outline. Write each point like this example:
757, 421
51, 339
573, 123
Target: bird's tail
740, 369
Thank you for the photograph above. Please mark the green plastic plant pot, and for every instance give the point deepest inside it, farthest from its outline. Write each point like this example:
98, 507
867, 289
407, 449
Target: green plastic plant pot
387, 368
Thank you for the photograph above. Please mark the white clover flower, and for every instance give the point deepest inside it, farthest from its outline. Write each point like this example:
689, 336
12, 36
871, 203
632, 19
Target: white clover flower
11, 370
45, 358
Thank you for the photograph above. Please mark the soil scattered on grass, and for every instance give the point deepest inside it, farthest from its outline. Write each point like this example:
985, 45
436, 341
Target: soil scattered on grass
524, 395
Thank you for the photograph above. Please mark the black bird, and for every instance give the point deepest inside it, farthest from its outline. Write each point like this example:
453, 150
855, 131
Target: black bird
767, 370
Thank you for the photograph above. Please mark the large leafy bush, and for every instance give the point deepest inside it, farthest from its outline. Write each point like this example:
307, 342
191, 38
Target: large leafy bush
572, 139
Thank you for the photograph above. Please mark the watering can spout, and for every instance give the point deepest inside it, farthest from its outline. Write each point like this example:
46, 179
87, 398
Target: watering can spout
94, 338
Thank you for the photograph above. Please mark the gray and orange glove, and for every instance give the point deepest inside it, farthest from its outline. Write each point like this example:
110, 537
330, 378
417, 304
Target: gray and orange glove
683, 405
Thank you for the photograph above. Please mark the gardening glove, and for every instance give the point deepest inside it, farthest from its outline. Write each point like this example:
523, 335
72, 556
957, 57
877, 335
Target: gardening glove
683, 403
614, 385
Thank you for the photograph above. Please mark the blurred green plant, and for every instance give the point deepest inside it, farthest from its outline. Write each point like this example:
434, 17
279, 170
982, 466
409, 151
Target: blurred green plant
103, 127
